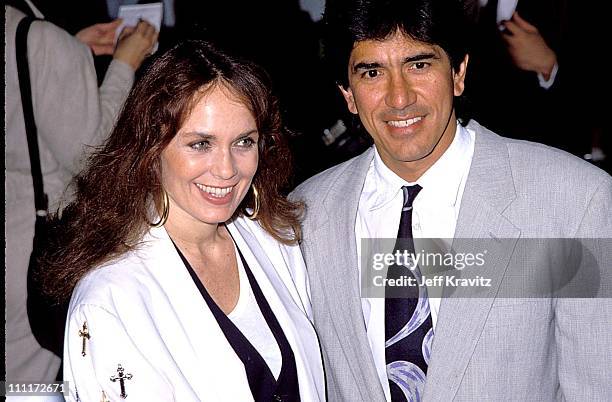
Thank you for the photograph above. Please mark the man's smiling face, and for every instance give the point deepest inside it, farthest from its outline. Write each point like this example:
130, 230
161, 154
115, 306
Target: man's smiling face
403, 90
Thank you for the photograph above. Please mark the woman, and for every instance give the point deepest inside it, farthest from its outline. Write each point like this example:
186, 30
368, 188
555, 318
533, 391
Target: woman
190, 284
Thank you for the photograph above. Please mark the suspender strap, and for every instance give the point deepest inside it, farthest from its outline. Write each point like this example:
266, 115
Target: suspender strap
23, 71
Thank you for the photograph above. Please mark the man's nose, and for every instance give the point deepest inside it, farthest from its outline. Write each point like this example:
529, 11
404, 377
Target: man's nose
400, 92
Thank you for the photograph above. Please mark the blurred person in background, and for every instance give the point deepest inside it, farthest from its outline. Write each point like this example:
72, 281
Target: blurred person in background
525, 80
71, 112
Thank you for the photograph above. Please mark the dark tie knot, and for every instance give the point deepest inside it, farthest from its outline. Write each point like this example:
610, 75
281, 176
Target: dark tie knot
410, 193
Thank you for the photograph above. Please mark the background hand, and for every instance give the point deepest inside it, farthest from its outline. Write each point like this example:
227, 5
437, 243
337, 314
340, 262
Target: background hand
527, 47
136, 43
100, 37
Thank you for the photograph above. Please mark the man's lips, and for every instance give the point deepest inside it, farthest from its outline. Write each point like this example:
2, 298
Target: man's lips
402, 123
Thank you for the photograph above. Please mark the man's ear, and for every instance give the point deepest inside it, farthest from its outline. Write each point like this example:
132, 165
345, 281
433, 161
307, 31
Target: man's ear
459, 77
349, 98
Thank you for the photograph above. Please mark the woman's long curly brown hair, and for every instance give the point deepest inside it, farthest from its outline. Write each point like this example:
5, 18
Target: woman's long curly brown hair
114, 194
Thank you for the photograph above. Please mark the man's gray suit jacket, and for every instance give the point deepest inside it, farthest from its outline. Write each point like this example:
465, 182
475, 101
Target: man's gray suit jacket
486, 348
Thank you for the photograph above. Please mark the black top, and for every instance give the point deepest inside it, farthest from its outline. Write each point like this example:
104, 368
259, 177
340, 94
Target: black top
262, 383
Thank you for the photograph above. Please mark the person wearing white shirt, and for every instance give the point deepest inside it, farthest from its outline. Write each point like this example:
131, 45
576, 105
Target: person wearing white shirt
178, 252
432, 173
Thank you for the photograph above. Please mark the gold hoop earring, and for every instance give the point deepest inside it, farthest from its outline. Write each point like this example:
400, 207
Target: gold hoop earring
165, 211
253, 215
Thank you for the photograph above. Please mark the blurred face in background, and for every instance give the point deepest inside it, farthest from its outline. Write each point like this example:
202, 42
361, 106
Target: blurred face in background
208, 166
403, 91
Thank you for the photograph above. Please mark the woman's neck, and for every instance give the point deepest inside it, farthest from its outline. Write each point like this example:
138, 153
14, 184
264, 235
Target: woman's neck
196, 238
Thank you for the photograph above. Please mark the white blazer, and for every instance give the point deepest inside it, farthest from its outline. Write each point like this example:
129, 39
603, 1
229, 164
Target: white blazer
144, 312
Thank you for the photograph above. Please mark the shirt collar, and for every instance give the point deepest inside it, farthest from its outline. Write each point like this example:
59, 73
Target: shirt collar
441, 182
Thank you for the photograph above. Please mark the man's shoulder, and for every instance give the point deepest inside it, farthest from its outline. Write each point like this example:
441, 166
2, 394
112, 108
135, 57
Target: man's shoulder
551, 165
318, 185
535, 161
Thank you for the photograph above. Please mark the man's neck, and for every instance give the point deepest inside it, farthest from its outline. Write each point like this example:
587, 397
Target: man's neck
411, 171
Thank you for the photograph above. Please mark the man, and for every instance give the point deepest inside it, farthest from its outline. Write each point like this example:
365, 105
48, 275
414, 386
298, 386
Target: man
400, 65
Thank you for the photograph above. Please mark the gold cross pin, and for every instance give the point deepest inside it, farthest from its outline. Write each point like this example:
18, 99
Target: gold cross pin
84, 333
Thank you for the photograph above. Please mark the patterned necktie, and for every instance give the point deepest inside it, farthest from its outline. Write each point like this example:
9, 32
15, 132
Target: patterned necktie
408, 325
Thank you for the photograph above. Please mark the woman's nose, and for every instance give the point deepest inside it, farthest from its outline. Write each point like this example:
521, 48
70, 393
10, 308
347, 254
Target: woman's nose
224, 166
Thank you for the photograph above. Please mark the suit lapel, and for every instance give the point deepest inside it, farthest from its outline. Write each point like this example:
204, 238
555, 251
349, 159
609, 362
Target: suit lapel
338, 252
488, 192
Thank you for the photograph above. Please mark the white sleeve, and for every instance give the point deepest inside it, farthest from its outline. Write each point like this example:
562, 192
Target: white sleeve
108, 346
70, 110
547, 83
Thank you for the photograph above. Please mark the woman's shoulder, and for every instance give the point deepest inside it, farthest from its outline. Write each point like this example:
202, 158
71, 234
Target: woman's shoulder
253, 231
142, 273
123, 278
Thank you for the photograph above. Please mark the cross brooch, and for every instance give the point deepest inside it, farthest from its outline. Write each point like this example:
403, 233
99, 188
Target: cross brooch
84, 333
121, 378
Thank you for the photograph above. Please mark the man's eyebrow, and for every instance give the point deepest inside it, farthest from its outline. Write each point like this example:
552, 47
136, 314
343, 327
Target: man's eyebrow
419, 57
410, 59
365, 66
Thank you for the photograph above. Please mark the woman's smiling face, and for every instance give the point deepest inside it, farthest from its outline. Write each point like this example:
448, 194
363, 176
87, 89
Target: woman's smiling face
208, 166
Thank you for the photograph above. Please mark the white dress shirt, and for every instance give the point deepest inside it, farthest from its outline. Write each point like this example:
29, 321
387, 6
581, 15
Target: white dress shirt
434, 215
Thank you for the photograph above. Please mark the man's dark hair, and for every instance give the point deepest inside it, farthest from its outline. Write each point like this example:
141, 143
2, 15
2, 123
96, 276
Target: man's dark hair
437, 22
